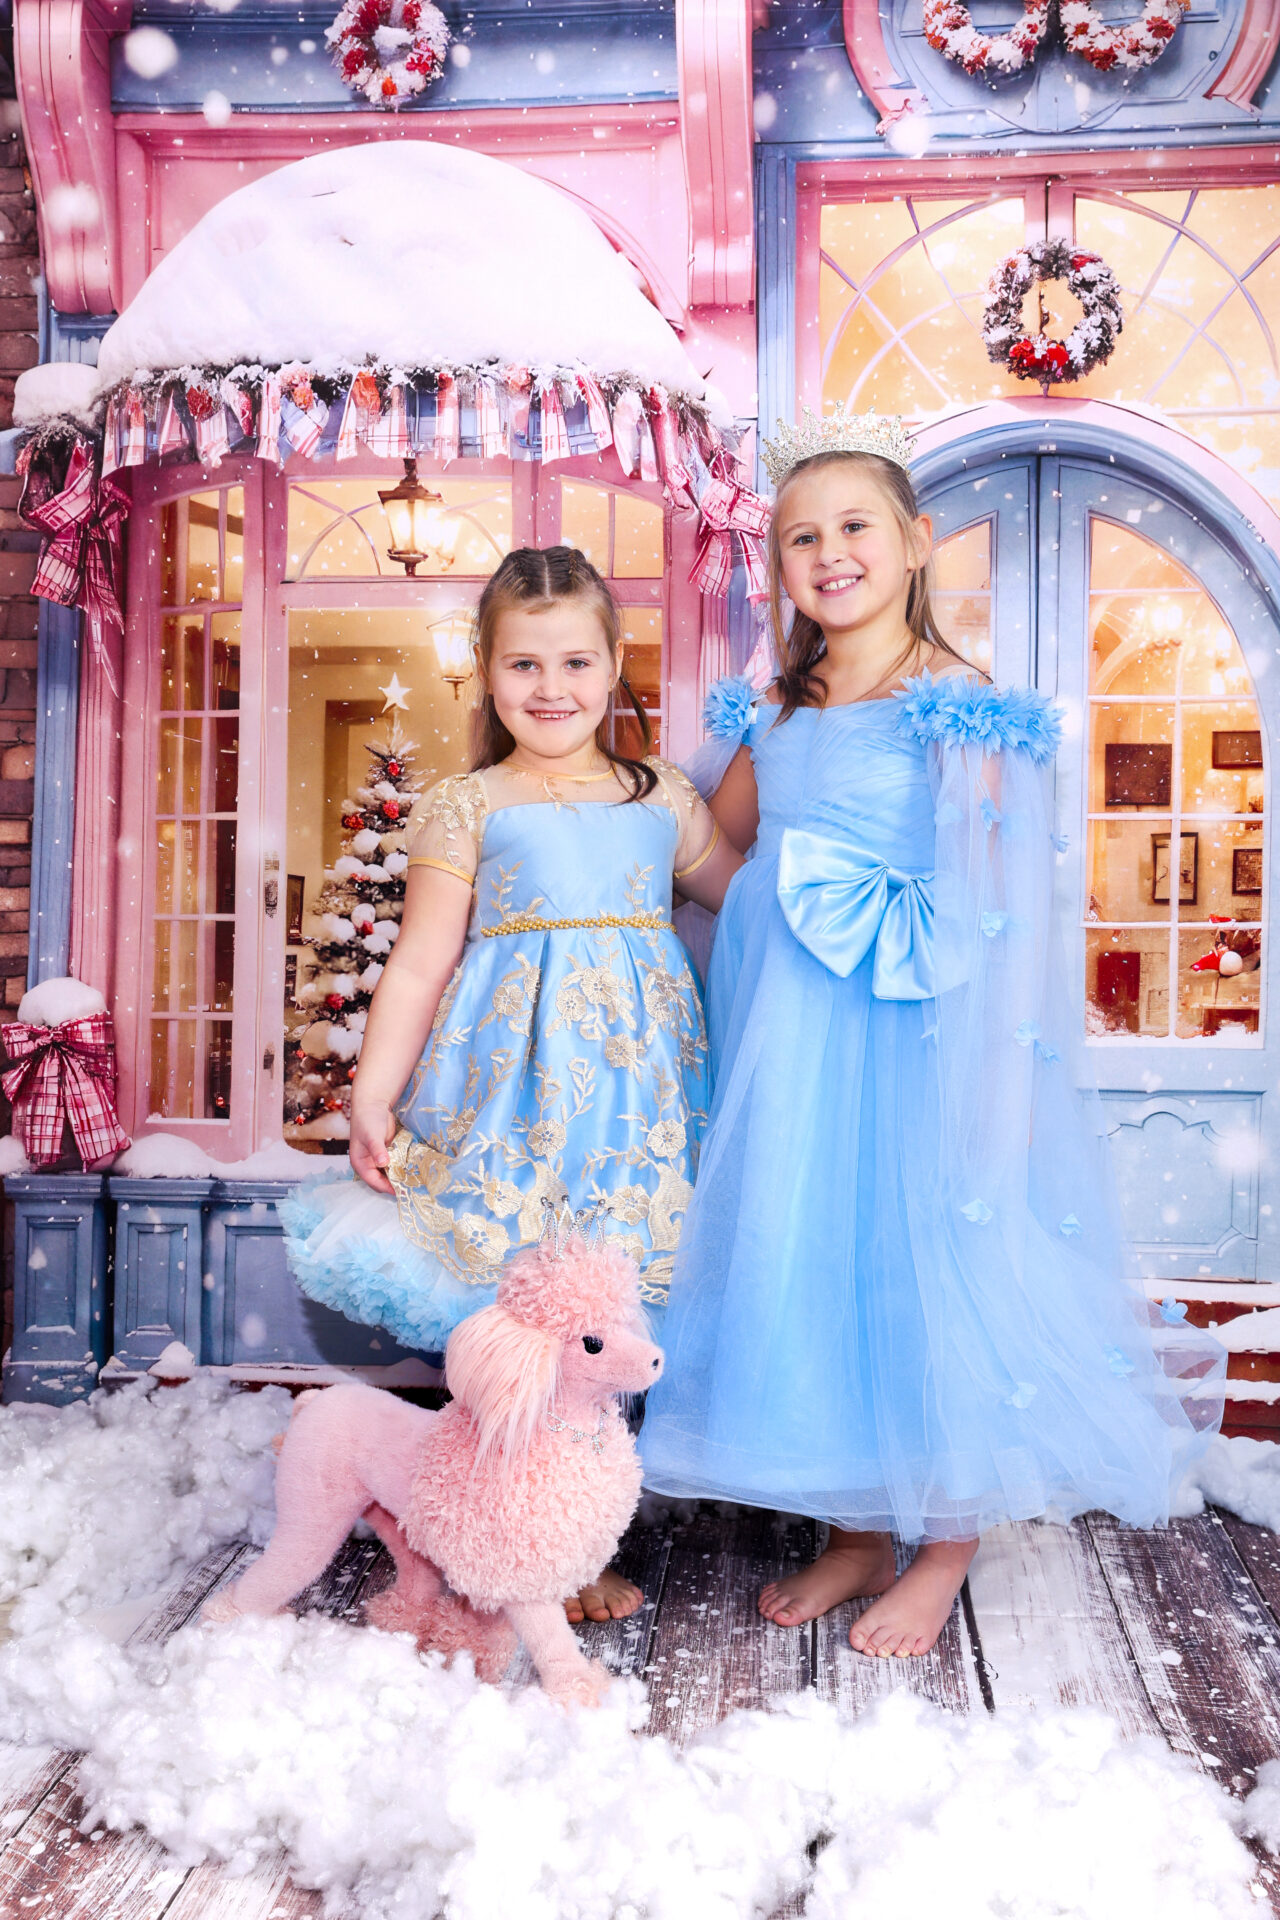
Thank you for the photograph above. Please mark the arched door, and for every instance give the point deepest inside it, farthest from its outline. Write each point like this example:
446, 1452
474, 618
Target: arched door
1109, 594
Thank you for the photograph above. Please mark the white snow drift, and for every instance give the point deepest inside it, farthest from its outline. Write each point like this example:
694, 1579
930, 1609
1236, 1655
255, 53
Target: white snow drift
405, 1790
407, 252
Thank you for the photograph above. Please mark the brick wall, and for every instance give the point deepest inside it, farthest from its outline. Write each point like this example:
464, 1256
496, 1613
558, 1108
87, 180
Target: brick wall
19, 264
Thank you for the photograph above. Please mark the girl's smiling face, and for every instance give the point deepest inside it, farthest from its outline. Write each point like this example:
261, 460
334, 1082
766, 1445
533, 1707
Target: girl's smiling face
847, 559
552, 675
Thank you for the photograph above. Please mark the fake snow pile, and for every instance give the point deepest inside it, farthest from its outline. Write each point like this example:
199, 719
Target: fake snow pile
161, 1156
115, 1495
407, 1790
406, 252
1241, 1475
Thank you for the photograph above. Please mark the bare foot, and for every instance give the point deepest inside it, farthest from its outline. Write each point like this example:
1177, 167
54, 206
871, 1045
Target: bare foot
850, 1566
908, 1619
608, 1598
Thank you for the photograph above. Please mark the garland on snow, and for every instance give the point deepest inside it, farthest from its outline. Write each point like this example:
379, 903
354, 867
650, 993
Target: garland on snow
485, 412
949, 28
388, 50
1034, 356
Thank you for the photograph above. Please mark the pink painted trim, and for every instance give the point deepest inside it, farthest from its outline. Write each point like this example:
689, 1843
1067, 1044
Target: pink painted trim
1152, 168
1124, 421
1247, 64
64, 96
713, 43
872, 67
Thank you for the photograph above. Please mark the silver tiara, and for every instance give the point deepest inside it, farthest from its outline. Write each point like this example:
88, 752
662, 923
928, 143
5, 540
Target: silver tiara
560, 1223
839, 432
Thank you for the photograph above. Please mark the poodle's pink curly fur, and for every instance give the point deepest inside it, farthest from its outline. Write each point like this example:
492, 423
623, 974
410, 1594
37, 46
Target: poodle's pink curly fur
516, 1493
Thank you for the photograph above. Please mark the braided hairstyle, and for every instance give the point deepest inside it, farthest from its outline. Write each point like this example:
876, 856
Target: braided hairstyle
534, 578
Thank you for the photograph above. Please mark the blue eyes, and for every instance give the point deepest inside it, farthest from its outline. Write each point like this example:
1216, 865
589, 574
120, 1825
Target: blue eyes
518, 666
850, 526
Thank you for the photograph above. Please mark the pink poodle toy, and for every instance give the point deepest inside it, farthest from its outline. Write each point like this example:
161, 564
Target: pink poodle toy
515, 1493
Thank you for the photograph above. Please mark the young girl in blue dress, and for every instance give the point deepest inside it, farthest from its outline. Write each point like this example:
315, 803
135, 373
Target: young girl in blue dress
537, 1033
898, 1303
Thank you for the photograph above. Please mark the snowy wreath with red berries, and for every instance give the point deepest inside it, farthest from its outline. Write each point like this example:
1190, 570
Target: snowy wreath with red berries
1034, 356
388, 50
1134, 45
949, 28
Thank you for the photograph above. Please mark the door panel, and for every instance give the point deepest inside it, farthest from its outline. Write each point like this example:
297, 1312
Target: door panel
1109, 596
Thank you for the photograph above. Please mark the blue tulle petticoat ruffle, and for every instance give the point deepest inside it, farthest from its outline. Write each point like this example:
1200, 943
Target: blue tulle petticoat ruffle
346, 1250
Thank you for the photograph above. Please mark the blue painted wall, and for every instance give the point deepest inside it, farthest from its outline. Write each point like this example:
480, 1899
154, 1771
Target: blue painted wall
808, 100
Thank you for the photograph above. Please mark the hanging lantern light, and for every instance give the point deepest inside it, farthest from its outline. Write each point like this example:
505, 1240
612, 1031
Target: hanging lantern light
413, 515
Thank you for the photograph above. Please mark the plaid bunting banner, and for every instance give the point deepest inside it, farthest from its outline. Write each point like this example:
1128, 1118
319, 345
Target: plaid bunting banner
63, 1074
597, 411
555, 431
448, 422
488, 419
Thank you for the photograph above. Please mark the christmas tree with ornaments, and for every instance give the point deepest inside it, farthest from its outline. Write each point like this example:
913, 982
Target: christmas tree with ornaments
352, 928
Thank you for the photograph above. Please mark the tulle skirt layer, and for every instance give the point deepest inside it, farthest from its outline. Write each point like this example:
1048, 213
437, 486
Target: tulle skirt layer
842, 1343
347, 1250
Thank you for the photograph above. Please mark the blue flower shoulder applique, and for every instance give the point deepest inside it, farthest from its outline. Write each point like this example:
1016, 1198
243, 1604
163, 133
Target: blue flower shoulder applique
730, 709
965, 711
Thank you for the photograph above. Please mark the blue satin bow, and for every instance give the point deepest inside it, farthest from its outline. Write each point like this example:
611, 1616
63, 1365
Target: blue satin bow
839, 901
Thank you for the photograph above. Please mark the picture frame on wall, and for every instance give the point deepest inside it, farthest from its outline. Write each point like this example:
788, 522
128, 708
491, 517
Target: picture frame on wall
1237, 747
1188, 869
295, 890
1246, 870
1138, 773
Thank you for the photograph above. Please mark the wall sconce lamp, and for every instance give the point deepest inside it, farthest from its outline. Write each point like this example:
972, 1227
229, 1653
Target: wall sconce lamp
451, 640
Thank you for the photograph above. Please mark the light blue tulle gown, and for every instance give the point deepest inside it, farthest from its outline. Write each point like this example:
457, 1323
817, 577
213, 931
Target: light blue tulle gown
568, 1062
899, 1297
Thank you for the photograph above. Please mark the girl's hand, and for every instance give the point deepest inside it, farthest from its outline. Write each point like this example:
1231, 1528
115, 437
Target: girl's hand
373, 1128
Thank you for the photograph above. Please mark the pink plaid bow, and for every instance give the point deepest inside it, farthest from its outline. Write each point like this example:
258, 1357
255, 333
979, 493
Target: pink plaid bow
80, 562
727, 508
63, 1073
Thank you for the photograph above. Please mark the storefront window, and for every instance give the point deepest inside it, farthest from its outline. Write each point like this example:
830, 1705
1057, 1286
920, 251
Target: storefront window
338, 528
196, 799
902, 282
1175, 804
962, 592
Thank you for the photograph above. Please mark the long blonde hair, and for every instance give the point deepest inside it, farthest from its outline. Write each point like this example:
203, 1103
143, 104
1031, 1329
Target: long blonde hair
534, 578
801, 645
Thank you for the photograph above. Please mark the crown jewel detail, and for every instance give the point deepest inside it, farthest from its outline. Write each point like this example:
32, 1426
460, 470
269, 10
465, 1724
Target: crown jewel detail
561, 1223
838, 432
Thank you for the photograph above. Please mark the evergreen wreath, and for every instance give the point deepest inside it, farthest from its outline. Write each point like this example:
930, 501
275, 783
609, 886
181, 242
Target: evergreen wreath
1135, 45
388, 50
949, 28
1034, 356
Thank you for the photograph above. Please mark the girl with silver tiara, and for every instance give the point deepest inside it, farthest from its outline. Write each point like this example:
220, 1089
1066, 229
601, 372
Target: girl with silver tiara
898, 1303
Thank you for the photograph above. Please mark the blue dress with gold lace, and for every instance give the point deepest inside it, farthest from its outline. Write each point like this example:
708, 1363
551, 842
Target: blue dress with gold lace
900, 1297
567, 1061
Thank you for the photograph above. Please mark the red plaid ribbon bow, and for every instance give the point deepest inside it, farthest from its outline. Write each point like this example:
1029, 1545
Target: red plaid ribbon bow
725, 509
80, 562
63, 1073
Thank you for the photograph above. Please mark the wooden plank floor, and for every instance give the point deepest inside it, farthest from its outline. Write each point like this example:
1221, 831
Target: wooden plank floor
1176, 1634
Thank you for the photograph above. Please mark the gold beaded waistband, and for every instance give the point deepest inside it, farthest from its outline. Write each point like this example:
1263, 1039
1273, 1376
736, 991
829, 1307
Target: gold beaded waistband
534, 923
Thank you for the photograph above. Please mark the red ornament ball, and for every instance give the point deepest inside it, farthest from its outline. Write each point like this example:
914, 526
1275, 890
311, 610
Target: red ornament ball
393, 769
353, 821
391, 809
334, 1002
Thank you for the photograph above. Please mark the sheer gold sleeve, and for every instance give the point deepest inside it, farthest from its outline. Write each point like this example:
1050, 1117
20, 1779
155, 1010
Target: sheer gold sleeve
446, 826
698, 832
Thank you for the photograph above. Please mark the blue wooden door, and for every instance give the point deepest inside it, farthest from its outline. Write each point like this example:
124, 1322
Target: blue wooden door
1108, 594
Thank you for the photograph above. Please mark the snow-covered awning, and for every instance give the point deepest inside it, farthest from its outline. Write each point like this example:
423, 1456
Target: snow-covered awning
407, 295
